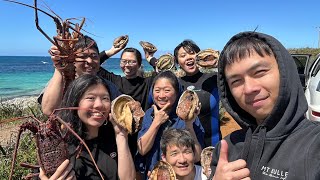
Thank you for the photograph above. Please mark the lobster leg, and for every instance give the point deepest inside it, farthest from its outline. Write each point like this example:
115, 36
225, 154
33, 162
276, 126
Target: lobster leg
30, 176
26, 165
15, 153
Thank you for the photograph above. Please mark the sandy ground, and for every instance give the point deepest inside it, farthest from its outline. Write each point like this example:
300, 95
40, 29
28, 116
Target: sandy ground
8, 134
9, 131
229, 126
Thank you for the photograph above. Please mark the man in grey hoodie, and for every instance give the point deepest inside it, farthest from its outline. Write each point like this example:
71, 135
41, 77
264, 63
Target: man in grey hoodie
259, 86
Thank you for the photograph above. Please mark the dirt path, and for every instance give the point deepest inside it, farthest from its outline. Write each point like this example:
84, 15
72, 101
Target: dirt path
229, 126
9, 132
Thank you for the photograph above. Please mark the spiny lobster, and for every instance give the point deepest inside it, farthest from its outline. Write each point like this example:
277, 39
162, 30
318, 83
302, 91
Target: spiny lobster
64, 40
51, 142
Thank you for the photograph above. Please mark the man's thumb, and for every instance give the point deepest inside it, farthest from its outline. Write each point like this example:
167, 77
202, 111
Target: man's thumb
223, 157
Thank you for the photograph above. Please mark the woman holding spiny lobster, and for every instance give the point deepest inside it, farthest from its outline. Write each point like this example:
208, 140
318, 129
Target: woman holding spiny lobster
93, 122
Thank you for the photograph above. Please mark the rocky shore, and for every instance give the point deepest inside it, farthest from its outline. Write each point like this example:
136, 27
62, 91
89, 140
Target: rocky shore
23, 101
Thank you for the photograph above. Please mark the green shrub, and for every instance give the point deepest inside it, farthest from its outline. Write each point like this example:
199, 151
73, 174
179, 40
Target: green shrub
27, 148
26, 153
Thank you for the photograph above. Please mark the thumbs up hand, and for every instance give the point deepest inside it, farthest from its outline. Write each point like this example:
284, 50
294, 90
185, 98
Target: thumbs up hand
230, 170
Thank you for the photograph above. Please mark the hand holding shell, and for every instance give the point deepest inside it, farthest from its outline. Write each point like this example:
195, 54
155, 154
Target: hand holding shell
127, 113
188, 105
148, 47
121, 41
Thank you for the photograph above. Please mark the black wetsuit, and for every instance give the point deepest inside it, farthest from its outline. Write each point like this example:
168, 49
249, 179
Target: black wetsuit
205, 85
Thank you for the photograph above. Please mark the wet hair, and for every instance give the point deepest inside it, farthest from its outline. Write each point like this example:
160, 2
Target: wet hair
243, 48
136, 53
72, 98
85, 42
188, 45
169, 75
177, 137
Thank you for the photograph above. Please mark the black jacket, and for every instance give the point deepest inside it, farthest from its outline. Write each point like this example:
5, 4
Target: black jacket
286, 145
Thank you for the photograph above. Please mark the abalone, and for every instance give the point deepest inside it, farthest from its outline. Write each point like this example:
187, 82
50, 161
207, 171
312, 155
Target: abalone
162, 171
148, 46
119, 41
188, 105
127, 113
207, 58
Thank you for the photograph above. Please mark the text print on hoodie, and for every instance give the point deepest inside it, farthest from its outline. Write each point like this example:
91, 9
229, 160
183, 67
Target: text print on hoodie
285, 145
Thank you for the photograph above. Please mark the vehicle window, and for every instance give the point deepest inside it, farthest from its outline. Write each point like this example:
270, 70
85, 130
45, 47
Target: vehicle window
300, 62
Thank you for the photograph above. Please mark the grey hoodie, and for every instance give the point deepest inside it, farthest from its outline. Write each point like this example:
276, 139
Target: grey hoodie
286, 145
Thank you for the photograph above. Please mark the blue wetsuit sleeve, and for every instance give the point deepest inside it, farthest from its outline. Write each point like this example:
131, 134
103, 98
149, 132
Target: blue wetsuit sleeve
198, 129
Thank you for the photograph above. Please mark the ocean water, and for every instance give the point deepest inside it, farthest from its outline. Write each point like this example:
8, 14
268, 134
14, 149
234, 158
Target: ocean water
28, 75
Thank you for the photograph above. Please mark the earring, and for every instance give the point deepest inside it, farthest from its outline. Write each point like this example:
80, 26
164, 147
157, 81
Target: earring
105, 123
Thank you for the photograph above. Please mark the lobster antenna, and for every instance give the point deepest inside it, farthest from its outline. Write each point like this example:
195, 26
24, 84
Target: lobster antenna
31, 7
48, 8
256, 28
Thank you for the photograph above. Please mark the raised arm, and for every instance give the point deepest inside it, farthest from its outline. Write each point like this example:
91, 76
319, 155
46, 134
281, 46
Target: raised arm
150, 58
197, 132
126, 169
53, 93
106, 54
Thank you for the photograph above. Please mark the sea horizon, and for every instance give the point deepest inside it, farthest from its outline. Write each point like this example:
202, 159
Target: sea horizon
25, 76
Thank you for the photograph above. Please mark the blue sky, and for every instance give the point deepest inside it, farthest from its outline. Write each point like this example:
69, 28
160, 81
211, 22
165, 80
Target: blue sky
164, 23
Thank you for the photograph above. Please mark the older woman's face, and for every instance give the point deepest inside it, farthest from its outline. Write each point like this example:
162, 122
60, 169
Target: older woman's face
164, 93
94, 106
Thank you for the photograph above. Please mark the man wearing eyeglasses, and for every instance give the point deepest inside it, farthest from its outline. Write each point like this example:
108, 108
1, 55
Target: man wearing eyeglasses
86, 61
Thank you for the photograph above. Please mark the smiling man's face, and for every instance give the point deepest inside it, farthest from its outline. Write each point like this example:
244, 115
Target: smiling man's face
254, 82
181, 159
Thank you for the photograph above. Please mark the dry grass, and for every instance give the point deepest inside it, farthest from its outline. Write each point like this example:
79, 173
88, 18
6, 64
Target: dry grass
228, 125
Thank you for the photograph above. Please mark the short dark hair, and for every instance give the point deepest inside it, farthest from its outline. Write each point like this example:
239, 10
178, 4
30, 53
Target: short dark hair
86, 42
187, 45
169, 75
242, 48
177, 137
136, 53
72, 97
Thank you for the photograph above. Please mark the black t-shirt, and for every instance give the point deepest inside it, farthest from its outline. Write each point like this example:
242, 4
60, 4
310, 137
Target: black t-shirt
138, 88
104, 151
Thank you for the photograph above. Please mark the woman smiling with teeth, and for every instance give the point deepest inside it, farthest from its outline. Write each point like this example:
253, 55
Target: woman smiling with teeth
162, 115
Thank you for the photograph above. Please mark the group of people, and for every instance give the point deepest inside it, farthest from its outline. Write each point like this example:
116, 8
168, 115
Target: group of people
257, 83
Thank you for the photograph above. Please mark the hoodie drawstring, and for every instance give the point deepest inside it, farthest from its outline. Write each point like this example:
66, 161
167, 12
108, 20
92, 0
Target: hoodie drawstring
246, 145
258, 149
258, 152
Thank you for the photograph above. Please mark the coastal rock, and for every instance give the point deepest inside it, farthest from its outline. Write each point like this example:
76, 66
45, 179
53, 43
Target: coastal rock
23, 102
